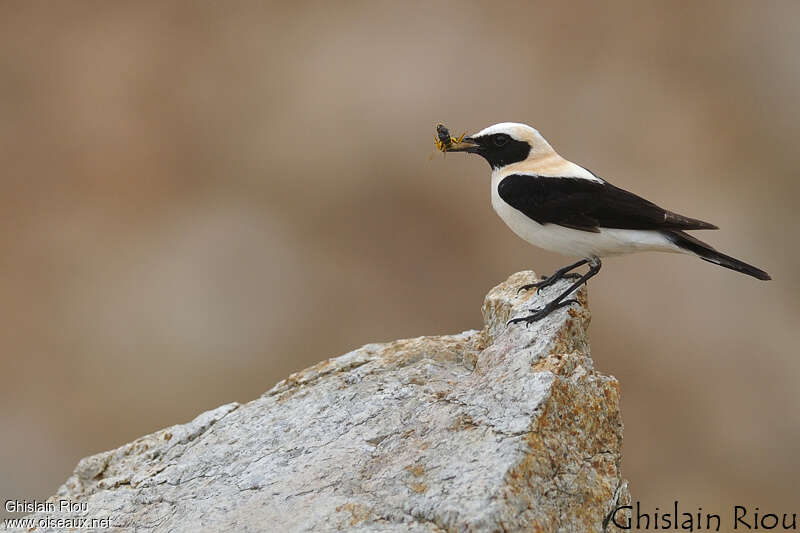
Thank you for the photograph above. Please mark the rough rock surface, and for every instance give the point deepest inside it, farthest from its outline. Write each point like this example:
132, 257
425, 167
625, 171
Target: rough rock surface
504, 429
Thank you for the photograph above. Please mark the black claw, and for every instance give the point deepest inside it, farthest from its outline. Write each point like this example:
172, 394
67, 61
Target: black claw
516, 321
546, 282
558, 275
538, 314
528, 287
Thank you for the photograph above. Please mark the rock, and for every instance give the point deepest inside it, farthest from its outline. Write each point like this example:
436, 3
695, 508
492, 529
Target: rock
504, 429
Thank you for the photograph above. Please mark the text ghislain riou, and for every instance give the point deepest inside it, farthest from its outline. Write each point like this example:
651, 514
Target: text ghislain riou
37, 506
741, 518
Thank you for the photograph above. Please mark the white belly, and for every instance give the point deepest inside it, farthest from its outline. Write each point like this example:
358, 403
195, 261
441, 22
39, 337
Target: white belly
576, 243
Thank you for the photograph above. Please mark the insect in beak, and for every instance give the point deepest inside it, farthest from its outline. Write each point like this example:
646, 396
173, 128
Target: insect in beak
444, 141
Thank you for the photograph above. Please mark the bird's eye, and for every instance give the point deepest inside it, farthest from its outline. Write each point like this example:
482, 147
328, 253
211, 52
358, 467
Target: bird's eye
501, 139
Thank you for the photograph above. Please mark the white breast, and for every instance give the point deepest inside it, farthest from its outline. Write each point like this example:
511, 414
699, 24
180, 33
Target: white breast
576, 243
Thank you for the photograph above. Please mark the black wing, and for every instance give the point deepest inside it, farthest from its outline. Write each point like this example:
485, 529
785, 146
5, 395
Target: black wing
588, 205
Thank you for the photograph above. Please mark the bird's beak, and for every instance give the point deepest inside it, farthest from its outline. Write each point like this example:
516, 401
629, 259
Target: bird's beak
467, 144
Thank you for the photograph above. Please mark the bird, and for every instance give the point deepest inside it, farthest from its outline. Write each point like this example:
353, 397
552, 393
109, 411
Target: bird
557, 205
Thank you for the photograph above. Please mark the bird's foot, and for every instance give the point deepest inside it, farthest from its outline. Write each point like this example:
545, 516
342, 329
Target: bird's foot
538, 314
546, 282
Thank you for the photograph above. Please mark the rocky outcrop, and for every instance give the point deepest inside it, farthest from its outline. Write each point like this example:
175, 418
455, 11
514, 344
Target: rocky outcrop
503, 429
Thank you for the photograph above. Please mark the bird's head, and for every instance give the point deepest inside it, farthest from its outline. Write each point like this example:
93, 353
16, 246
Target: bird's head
504, 144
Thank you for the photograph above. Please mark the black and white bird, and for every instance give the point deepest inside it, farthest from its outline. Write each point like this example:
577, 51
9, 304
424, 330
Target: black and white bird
557, 205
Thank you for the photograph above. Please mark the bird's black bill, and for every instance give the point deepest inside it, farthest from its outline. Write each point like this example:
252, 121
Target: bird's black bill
467, 144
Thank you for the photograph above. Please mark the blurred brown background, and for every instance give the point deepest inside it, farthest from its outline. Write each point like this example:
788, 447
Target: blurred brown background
199, 198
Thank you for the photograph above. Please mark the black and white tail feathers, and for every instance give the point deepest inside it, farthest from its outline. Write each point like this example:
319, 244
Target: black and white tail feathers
707, 253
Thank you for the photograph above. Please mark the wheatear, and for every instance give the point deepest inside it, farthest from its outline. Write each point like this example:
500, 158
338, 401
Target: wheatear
562, 207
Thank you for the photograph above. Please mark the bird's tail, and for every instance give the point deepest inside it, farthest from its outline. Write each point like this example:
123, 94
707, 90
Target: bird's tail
707, 253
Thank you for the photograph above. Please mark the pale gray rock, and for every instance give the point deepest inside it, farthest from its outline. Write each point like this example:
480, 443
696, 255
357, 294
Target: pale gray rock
504, 429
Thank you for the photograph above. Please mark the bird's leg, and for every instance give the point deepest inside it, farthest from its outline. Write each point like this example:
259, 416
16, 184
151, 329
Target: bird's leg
557, 275
537, 314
